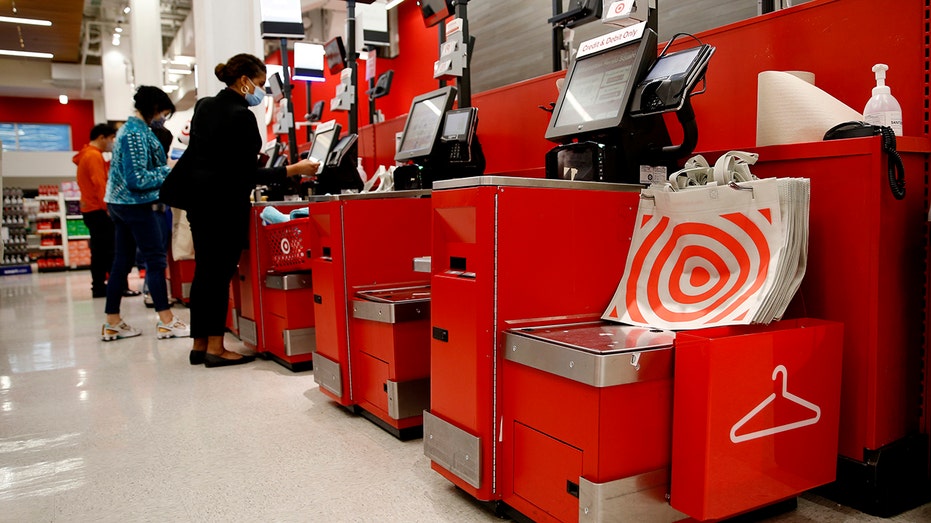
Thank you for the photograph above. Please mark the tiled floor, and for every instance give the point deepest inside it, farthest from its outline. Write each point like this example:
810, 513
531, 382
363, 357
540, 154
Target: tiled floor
128, 431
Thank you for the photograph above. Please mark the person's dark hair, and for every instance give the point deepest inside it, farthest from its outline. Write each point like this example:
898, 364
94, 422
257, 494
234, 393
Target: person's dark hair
238, 66
151, 101
164, 137
102, 129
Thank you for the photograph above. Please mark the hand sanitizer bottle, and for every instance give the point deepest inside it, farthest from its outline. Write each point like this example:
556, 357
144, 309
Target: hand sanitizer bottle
882, 108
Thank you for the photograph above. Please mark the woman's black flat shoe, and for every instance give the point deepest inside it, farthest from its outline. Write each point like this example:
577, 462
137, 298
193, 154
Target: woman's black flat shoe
129, 293
212, 360
197, 357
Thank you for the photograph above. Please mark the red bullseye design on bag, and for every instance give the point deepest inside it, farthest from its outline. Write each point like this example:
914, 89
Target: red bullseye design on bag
697, 272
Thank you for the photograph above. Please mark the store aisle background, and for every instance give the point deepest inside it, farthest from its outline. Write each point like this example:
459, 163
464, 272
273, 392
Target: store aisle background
129, 431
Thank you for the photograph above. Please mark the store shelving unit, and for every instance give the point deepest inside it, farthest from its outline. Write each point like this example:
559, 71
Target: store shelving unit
50, 227
14, 251
76, 235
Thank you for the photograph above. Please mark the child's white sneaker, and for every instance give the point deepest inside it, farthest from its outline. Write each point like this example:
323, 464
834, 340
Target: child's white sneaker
175, 329
115, 332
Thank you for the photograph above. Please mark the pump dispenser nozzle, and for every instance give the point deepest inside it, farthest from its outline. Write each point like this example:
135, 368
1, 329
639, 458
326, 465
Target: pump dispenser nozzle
881, 87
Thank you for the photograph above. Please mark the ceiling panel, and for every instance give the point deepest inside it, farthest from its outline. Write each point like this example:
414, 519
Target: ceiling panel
61, 39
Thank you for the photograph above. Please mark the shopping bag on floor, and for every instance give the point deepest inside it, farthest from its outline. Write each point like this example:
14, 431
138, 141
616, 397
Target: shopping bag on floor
714, 246
182, 243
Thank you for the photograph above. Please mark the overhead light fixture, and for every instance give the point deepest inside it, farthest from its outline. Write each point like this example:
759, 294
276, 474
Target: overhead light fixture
116, 39
25, 54
24, 21
392, 4
179, 71
118, 29
63, 99
126, 10
169, 88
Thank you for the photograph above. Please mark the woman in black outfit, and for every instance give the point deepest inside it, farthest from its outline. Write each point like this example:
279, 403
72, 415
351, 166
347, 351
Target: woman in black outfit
214, 178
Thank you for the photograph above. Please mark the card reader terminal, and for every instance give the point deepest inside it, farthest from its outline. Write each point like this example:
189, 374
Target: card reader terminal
457, 134
670, 80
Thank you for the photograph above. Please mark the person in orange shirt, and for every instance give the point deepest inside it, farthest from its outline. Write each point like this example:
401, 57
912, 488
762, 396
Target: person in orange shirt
92, 180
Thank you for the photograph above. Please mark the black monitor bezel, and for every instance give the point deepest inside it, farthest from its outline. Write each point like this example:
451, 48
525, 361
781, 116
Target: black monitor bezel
449, 92
316, 111
326, 127
646, 53
270, 150
339, 151
678, 84
335, 54
382, 85
446, 136
276, 87
432, 19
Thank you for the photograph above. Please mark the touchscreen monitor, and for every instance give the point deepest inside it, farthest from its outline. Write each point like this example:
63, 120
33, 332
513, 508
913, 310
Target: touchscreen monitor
324, 138
598, 88
422, 128
335, 54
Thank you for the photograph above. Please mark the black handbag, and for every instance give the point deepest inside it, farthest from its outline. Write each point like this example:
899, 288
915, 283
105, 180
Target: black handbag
177, 190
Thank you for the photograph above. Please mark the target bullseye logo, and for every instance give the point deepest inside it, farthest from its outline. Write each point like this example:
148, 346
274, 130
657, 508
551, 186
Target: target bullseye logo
691, 272
285, 246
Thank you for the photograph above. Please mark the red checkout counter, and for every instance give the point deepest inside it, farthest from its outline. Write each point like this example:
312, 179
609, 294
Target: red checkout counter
867, 264
274, 285
371, 305
180, 276
536, 408
506, 249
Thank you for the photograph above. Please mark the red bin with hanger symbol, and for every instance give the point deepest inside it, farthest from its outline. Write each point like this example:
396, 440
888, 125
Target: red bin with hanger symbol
755, 416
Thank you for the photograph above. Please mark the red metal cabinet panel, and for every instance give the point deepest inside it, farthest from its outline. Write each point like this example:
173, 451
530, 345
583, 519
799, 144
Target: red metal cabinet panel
544, 484
405, 346
360, 243
372, 374
503, 253
604, 422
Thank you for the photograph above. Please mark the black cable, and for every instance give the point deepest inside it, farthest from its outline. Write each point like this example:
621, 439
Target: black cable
673, 39
896, 169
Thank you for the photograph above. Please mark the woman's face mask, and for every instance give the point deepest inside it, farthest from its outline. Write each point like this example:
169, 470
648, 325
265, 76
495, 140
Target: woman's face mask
256, 96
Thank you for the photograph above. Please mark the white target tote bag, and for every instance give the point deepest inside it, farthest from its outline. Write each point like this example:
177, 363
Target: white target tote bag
701, 257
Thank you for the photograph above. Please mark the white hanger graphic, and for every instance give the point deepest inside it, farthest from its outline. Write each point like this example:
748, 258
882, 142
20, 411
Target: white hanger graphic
782, 428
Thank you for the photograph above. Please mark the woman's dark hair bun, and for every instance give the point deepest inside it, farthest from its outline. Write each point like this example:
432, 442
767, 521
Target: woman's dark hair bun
218, 71
238, 66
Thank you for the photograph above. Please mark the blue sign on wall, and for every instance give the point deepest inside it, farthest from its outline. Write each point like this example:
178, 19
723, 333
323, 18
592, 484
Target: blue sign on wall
35, 137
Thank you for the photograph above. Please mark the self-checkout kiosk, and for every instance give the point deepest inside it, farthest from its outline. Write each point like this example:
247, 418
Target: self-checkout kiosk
338, 158
438, 143
609, 113
538, 407
492, 256
373, 311
274, 288
371, 306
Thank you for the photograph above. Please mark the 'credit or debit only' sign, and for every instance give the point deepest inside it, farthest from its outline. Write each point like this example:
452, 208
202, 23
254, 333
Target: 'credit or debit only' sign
612, 39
